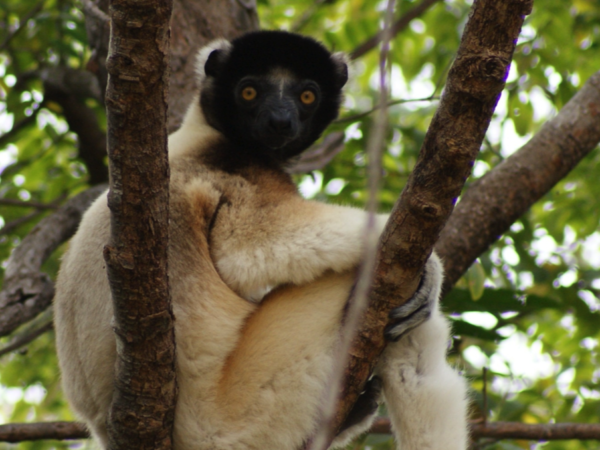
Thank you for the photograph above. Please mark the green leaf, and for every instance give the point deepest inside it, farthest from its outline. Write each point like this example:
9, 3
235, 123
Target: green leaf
476, 280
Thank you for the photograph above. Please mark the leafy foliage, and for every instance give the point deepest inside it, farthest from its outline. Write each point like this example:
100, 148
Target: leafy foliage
528, 311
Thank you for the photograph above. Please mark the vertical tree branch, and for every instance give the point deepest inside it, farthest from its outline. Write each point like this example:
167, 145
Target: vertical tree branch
475, 82
142, 411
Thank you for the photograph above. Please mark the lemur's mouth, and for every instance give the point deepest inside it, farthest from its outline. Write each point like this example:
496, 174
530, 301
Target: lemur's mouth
276, 141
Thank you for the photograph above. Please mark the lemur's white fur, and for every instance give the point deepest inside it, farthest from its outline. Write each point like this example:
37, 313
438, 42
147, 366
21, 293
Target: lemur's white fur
204, 53
251, 374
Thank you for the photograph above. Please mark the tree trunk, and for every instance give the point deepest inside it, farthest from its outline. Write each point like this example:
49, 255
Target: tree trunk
142, 410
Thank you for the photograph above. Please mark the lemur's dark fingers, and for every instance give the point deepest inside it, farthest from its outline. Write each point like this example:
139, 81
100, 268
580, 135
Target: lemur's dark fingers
366, 405
397, 328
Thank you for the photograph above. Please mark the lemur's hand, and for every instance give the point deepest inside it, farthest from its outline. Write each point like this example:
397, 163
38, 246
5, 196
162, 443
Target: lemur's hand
418, 308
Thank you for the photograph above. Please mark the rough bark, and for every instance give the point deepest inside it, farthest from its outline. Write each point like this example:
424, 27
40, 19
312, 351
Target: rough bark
451, 144
19, 432
490, 205
142, 411
26, 290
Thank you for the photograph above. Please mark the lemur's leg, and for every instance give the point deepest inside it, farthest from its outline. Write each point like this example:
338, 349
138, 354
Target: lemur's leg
426, 398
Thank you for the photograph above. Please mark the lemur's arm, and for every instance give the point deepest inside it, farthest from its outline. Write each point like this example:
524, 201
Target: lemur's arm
304, 240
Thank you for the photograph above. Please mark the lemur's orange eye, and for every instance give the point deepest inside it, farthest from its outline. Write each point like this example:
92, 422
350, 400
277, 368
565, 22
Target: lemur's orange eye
249, 93
307, 97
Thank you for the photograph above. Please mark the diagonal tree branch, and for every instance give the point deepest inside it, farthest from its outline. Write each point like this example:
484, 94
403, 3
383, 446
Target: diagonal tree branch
69, 88
396, 28
475, 82
22, 23
319, 155
26, 290
491, 204
27, 204
28, 336
20, 125
307, 15
91, 9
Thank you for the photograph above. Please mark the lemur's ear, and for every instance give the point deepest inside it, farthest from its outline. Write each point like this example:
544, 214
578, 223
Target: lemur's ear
214, 63
210, 58
340, 60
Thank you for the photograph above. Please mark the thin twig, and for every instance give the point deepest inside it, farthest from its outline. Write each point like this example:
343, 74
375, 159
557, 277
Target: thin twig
485, 398
396, 27
319, 155
306, 16
358, 116
22, 22
536, 432
20, 125
13, 225
40, 207
26, 338
27, 204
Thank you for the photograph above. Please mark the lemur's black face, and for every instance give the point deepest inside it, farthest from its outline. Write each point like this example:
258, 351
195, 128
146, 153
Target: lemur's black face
276, 110
273, 93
